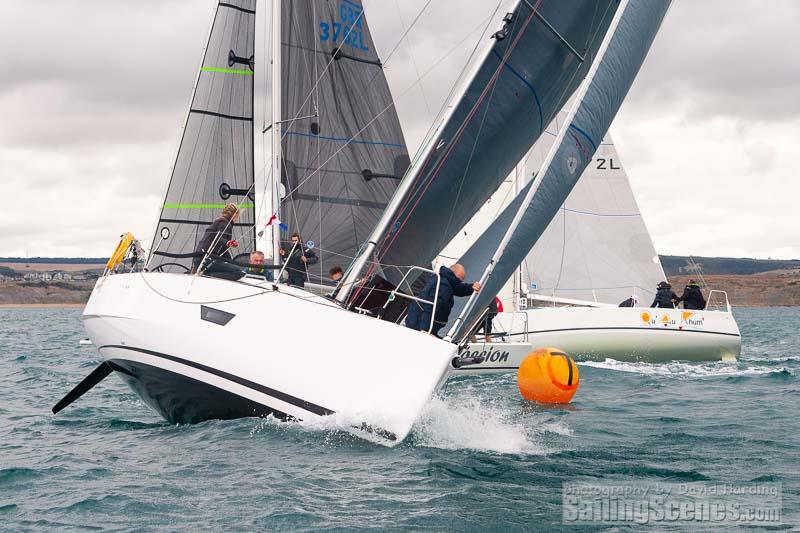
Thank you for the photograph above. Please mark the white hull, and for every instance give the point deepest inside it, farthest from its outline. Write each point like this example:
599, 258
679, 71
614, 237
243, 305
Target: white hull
275, 355
595, 334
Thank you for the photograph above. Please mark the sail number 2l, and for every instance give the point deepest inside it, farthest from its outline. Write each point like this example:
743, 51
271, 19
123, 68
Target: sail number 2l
347, 30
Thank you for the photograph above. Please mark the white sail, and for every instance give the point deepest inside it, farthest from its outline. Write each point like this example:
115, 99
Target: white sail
597, 248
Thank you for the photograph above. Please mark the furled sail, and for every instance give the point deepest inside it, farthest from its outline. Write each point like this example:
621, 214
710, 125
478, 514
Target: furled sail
597, 247
536, 60
343, 151
597, 104
214, 165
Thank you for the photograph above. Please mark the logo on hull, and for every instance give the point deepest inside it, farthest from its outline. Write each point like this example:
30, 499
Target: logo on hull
490, 355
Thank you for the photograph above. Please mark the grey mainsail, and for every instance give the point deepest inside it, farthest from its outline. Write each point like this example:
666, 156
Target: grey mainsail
596, 108
537, 59
342, 146
597, 247
214, 165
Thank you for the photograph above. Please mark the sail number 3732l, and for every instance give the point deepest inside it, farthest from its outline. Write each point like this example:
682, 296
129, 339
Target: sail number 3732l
348, 30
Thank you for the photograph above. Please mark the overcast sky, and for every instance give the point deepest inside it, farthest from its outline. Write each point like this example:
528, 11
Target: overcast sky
93, 93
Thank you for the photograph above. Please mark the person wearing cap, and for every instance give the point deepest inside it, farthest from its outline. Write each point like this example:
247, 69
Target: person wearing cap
692, 296
630, 302
665, 298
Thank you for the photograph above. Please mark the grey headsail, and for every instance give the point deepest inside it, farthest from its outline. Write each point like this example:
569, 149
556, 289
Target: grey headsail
533, 64
596, 105
342, 146
214, 165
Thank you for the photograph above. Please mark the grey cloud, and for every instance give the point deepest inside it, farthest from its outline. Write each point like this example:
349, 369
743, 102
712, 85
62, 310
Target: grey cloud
727, 58
93, 92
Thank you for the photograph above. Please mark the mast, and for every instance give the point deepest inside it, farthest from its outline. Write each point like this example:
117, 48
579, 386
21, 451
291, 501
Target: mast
277, 96
454, 330
516, 290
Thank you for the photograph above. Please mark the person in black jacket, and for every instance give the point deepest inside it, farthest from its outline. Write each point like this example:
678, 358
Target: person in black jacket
451, 283
665, 298
485, 325
297, 260
217, 241
630, 302
692, 296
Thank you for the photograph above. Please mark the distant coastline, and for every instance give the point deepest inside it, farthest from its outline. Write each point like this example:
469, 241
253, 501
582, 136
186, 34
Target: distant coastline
68, 282
42, 306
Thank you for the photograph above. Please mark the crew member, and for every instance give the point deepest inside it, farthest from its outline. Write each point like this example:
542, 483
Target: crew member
297, 261
451, 283
485, 325
630, 302
335, 274
256, 267
664, 296
217, 241
692, 296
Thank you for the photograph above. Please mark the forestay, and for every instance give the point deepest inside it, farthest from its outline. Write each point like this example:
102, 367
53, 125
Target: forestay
214, 164
343, 149
597, 247
597, 105
536, 60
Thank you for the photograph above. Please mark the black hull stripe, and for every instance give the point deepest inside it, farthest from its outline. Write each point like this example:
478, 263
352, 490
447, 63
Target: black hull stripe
615, 328
297, 402
288, 398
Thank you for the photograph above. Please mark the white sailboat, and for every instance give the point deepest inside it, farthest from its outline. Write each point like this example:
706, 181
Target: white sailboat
197, 347
595, 253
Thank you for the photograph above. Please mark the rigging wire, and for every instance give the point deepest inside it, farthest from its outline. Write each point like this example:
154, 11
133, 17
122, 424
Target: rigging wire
404, 93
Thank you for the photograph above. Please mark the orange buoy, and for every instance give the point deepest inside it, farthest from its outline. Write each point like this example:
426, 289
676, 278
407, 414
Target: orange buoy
548, 375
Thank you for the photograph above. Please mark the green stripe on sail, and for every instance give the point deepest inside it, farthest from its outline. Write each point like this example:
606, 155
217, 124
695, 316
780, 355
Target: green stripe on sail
204, 206
242, 71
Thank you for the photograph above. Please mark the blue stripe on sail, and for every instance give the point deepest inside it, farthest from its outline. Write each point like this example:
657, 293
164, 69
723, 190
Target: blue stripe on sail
600, 214
576, 128
526, 82
343, 139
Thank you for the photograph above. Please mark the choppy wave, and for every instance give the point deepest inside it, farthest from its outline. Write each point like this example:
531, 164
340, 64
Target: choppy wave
479, 457
682, 369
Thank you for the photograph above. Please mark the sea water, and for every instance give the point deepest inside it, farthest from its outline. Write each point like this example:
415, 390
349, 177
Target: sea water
479, 458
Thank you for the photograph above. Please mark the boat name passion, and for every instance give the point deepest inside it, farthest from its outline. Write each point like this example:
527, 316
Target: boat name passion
490, 355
